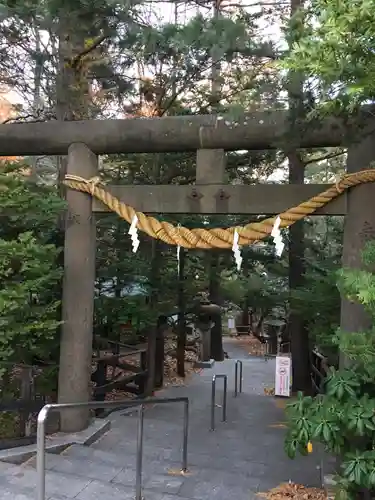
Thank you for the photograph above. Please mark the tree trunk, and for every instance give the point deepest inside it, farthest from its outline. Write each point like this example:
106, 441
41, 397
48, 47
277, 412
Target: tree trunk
297, 326
181, 323
38, 69
217, 352
152, 335
159, 351
245, 317
156, 257
118, 279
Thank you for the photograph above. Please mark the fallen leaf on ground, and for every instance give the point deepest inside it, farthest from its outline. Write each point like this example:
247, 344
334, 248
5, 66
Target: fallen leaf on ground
251, 344
269, 391
292, 491
178, 472
170, 364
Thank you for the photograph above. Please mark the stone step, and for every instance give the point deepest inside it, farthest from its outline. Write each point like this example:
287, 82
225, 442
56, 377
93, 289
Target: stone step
85, 468
121, 456
159, 473
13, 494
84, 463
57, 443
19, 483
96, 455
108, 491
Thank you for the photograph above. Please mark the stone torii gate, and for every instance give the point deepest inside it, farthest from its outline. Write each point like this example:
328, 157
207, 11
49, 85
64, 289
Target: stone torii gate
210, 137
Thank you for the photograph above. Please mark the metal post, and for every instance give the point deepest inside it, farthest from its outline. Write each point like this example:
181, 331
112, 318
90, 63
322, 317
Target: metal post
238, 364
235, 379
321, 473
266, 351
185, 437
213, 399
138, 471
225, 398
213, 393
40, 453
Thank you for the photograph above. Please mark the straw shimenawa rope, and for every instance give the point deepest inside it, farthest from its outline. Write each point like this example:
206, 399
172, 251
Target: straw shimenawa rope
218, 237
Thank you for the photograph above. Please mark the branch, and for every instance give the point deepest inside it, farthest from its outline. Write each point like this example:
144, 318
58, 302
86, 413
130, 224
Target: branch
97, 41
30, 118
199, 69
328, 156
258, 4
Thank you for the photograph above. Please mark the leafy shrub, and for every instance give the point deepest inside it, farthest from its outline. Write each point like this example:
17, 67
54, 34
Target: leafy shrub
29, 271
343, 418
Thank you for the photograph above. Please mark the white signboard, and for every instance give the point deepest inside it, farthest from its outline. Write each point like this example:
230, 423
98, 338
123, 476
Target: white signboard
283, 376
231, 324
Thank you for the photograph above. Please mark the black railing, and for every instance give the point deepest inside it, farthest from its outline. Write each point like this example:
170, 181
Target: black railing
41, 434
319, 370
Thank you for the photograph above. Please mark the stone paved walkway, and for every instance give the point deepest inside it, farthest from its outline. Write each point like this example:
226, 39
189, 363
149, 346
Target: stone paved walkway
240, 458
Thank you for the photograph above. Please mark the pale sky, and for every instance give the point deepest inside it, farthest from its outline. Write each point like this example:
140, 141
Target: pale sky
166, 12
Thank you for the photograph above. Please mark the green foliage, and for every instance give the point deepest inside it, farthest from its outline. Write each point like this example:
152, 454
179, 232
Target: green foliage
343, 419
318, 300
359, 285
27, 270
260, 291
193, 41
29, 273
337, 48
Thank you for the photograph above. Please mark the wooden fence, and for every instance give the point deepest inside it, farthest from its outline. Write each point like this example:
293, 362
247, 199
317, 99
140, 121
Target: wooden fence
20, 401
119, 367
319, 370
135, 370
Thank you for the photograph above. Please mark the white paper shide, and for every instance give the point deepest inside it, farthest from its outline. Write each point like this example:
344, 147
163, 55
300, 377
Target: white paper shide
133, 231
277, 238
236, 250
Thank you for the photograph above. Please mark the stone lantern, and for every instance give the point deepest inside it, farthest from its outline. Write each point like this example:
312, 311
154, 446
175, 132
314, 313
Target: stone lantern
204, 311
273, 328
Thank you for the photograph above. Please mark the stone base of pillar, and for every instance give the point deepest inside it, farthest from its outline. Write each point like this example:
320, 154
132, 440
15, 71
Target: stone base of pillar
204, 364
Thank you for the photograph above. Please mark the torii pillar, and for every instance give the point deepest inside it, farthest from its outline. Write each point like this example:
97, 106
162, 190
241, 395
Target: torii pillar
359, 228
78, 293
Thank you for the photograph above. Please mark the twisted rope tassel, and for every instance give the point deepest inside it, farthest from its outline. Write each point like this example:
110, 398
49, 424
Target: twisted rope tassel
219, 237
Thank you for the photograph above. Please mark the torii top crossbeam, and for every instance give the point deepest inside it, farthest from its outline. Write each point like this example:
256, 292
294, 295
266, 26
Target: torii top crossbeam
256, 131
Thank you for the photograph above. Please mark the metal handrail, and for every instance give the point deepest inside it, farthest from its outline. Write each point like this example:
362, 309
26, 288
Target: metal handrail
213, 399
41, 434
138, 478
238, 363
